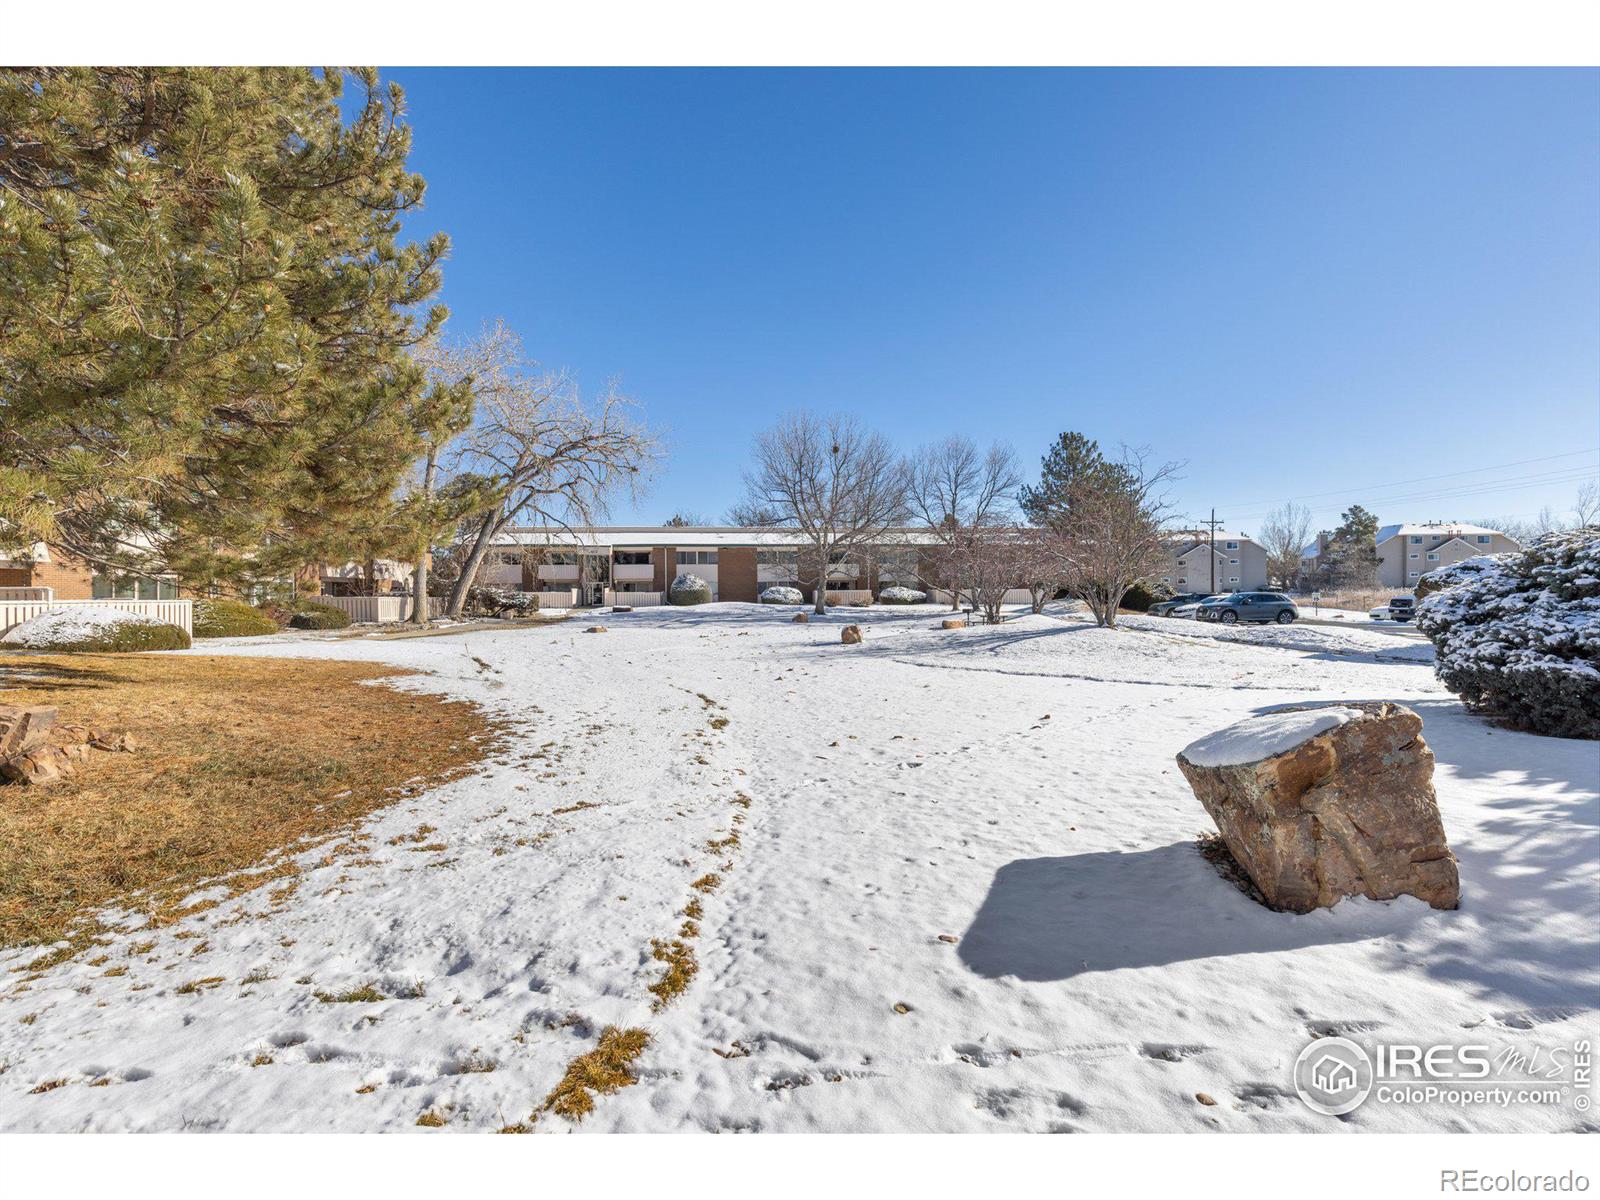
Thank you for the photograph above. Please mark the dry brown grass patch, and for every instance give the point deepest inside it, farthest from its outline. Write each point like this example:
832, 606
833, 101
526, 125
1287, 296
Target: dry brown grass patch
707, 884
681, 970
605, 1069
238, 758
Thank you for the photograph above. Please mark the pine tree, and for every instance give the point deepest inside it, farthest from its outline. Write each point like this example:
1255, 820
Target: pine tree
1351, 557
1071, 462
206, 313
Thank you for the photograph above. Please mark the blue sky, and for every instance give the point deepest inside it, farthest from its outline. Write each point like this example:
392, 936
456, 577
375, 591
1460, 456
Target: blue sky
1311, 285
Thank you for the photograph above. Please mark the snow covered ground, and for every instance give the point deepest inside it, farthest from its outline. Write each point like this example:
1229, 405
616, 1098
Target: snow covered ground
965, 896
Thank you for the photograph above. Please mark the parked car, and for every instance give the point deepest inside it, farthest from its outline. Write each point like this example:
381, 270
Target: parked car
1250, 606
1193, 610
1399, 608
1188, 599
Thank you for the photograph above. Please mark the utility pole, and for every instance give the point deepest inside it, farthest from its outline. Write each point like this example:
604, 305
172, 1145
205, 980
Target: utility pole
1212, 526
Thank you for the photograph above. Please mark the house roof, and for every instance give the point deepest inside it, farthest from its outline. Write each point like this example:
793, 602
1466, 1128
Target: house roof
32, 556
602, 537
1429, 529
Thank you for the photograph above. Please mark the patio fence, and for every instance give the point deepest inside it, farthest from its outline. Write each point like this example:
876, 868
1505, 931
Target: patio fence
171, 612
636, 599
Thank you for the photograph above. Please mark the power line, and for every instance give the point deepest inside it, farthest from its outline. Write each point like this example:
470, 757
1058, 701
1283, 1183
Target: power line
1482, 487
1419, 479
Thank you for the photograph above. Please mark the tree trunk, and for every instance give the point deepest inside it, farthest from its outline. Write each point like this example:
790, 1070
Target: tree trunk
419, 577
487, 529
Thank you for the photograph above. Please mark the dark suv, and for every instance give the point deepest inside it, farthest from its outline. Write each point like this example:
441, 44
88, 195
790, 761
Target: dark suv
1250, 606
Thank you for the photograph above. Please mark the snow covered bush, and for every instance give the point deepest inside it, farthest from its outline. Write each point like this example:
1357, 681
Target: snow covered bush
901, 595
778, 594
96, 629
689, 589
500, 602
309, 614
215, 617
1518, 635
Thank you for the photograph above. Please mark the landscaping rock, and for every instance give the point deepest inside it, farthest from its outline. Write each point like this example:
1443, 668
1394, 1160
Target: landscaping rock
41, 765
802, 618
850, 635
596, 629
622, 608
35, 750
1320, 803
22, 727
953, 623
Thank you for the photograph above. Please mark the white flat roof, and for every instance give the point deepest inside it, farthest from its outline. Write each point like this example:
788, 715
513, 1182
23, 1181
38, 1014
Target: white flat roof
603, 537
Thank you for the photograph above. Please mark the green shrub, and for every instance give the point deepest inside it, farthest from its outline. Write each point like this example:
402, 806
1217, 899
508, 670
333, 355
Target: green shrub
309, 614
1142, 595
230, 618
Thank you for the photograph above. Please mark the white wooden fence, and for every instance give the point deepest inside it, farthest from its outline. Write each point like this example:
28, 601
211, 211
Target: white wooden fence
388, 609
171, 612
636, 599
1013, 596
847, 596
378, 608
27, 593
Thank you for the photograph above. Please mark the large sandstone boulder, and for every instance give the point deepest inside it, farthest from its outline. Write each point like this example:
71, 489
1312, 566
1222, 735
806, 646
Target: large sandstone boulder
1319, 803
801, 618
953, 623
35, 750
850, 635
21, 727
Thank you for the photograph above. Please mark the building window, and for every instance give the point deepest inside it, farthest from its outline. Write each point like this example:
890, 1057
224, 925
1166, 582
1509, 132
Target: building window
697, 558
510, 558
128, 587
1483, 539
1411, 555
561, 558
632, 558
1233, 562
1433, 556
1415, 574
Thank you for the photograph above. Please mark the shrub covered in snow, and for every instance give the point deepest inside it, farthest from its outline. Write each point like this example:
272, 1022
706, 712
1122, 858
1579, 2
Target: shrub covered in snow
689, 589
215, 617
1519, 634
502, 602
310, 614
99, 629
778, 594
901, 595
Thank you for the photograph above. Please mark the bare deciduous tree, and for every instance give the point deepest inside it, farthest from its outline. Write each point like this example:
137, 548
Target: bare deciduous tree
837, 484
1114, 534
960, 493
551, 457
1587, 508
1284, 533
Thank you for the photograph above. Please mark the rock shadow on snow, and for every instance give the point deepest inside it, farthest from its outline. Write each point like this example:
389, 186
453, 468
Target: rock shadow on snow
1050, 919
